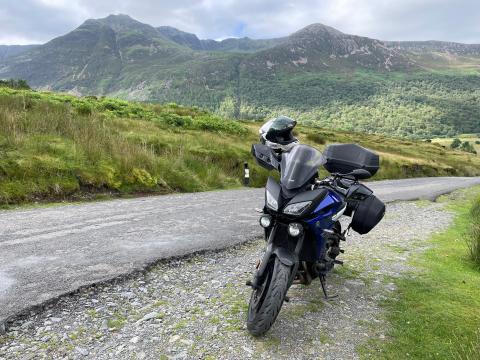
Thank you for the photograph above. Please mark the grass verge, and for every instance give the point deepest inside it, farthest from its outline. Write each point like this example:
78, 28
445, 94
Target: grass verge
435, 313
473, 234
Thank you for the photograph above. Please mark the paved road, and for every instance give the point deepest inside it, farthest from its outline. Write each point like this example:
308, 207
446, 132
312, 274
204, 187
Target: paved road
48, 252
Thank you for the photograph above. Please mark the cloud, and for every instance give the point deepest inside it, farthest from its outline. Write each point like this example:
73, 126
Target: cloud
29, 21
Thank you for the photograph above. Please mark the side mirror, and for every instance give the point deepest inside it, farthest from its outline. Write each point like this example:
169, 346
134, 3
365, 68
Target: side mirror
360, 174
263, 155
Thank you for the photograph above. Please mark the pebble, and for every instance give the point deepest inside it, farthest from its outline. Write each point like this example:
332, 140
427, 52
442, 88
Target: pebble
135, 340
82, 351
150, 316
127, 295
174, 338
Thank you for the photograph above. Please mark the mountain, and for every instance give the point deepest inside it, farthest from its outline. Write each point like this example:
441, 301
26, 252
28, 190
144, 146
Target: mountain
93, 56
12, 50
231, 44
181, 37
322, 48
317, 74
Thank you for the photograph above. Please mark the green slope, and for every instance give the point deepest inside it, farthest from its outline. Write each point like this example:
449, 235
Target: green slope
55, 146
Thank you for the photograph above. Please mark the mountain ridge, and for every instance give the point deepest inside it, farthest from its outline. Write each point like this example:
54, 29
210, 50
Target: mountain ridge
118, 20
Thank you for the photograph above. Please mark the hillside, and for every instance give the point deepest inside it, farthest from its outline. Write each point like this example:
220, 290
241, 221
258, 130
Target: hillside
231, 44
7, 51
56, 146
318, 74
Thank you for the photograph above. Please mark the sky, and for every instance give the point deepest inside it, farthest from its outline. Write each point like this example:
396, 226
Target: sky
38, 21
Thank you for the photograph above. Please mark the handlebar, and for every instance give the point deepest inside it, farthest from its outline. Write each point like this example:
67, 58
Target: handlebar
333, 183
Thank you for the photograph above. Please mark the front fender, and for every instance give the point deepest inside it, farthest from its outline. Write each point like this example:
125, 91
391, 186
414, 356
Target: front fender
285, 256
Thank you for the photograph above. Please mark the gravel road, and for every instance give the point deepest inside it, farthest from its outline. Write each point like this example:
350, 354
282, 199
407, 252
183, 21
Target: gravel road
49, 252
194, 308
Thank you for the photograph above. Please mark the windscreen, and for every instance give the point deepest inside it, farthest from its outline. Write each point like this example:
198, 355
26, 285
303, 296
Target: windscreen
299, 165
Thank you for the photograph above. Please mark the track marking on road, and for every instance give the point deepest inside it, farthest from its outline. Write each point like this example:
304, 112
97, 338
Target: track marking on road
56, 234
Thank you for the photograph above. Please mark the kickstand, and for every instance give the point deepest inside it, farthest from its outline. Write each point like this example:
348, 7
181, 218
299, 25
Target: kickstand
322, 282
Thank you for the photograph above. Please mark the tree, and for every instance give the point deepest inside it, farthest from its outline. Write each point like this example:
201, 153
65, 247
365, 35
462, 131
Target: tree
15, 84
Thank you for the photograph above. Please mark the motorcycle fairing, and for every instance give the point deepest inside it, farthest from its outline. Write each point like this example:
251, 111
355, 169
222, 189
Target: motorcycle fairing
315, 196
322, 219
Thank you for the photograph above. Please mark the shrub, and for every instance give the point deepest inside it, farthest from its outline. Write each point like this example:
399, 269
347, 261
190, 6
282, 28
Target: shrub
466, 146
144, 178
456, 143
84, 109
177, 120
318, 138
112, 105
213, 123
15, 84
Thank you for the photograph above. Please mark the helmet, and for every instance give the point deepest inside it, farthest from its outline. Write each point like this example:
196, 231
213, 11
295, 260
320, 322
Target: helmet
277, 133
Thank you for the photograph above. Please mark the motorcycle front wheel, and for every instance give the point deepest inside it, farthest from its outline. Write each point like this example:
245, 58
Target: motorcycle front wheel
267, 300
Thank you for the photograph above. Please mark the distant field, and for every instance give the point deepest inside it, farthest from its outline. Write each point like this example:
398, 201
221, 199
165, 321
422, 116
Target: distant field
471, 138
55, 147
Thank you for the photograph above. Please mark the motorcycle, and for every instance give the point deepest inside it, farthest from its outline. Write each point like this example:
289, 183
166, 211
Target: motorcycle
301, 220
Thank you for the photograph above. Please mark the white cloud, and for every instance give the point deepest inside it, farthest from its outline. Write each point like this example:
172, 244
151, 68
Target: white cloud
456, 20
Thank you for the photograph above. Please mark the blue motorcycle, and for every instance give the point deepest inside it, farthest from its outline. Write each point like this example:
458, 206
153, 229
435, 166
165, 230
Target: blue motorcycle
301, 214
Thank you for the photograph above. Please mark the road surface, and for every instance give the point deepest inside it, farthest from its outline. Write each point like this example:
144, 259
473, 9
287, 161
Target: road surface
49, 252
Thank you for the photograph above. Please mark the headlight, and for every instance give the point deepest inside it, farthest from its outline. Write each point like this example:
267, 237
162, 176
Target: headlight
297, 208
265, 221
295, 229
272, 203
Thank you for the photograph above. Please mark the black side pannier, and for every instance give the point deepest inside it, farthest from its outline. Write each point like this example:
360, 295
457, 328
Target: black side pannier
344, 158
368, 214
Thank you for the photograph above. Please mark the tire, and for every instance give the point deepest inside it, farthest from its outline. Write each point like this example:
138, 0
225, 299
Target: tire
266, 302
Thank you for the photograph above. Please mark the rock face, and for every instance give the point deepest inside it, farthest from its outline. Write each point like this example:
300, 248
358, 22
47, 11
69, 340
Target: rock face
453, 48
318, 47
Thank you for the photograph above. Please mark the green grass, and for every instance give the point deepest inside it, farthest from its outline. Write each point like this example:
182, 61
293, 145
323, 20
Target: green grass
61, 147
435, 314
473, 233
473, 139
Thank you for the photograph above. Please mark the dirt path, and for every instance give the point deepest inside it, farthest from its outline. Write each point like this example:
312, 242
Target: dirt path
195, 308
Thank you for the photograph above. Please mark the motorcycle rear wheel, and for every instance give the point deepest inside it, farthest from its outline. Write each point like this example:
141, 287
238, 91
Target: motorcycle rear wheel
267, 300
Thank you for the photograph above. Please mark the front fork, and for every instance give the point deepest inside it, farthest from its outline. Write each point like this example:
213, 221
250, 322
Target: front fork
287, 257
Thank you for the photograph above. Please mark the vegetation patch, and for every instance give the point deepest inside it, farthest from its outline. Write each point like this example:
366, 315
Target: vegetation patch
435, 313
56, 147
473, 233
